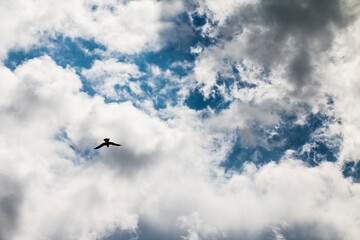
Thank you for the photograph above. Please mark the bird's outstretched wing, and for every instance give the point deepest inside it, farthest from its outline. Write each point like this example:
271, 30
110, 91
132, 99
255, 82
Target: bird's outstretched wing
101, 145
115, 144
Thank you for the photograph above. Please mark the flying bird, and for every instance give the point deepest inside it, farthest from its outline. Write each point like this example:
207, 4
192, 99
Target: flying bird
107, 143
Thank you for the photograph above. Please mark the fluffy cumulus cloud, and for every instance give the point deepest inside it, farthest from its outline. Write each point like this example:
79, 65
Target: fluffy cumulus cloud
238, 120
122, 26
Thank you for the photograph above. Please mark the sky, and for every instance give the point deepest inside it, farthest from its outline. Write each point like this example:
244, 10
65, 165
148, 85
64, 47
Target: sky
238, 119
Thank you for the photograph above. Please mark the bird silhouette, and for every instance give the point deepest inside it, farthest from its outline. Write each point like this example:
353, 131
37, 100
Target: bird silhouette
107, 143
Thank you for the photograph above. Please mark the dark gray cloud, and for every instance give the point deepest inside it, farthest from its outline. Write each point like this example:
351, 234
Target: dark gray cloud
302, 17
11, 198
309, 25
289, 32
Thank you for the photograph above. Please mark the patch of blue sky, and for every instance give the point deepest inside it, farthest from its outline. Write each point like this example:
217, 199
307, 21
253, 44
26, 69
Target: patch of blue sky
215, 101
290, 136
18, 56
198, 20
94, 8
177, 49
86, 154
163, 100
81, 53
352, 169
77, 53
63, 137
175, 56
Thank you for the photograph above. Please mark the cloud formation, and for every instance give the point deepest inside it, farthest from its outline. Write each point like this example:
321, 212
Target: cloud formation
289, 35
155, 179
125, 27
276, 77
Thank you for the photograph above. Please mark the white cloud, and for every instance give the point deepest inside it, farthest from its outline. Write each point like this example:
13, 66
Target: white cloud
333, 72
205, 71
340, 67
105, 75
196, 50
165, 173
242, 117
57, 191
261, 198
45, 101
122, 27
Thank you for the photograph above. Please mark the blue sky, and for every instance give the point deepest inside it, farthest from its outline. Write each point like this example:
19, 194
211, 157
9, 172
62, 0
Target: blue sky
238, 120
